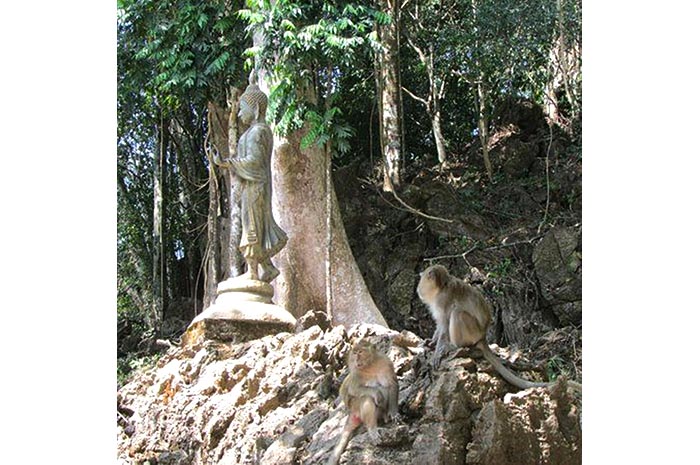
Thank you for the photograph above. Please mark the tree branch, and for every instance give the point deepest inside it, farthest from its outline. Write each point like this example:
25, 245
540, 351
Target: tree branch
464, 77
406, 206
415, 97
417, 49
441, 92
492, 247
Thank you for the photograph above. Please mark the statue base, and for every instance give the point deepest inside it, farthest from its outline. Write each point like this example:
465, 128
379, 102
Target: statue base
243, 311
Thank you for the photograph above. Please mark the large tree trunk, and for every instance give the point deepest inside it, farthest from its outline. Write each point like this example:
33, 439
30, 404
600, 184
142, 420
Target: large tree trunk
563, 52
556, 71
390, 92
299, 205
550, 90
300, 208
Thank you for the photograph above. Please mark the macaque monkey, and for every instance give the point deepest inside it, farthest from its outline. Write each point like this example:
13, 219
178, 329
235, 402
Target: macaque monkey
370, 392
462, 316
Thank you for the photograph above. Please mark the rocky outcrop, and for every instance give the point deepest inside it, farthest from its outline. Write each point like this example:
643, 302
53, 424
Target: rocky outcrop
274, 400
557, 260
502, 433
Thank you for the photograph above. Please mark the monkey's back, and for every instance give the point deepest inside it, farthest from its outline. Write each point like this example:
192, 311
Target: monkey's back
465, 297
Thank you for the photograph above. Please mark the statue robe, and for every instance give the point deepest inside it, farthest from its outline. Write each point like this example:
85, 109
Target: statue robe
262, 237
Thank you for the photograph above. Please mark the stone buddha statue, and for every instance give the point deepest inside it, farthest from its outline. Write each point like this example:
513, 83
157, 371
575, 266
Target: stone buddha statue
262, 238
243, 309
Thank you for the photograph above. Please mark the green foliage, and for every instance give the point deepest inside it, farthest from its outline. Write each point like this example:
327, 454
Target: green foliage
555, 367
309, 47
500, 269
185, 48
132, 364
323, 128
505, 46
466, 242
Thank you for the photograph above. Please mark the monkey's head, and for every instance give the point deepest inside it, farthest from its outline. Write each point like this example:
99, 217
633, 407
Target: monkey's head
362, 354
432, 280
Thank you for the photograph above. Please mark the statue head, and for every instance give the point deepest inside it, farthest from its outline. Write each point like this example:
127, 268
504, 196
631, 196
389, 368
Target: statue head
255, 98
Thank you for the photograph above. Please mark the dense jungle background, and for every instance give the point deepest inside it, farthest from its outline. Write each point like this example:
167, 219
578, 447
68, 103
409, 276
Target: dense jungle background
454, 129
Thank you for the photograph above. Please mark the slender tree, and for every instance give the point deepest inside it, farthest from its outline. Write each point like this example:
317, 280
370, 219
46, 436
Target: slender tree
389, 93
159, 291
564, 67
419, 38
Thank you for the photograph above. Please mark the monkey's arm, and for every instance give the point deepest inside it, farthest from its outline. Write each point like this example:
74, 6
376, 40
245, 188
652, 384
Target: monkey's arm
434, 339
442, 343
352, 388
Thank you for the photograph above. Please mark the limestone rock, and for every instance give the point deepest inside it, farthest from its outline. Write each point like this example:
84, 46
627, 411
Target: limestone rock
530, 428
557, 261
274, 400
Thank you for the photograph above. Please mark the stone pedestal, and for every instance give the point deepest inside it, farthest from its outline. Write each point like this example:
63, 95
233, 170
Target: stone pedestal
243, 311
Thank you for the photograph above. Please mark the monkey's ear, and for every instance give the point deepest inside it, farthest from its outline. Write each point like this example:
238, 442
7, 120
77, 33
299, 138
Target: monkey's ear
434, 273
439, 276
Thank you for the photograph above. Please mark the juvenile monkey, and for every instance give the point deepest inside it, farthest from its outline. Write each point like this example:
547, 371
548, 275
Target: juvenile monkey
370, 392
462, 316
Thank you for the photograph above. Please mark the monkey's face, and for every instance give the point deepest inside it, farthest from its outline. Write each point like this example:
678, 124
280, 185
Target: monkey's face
427, 286
362, 355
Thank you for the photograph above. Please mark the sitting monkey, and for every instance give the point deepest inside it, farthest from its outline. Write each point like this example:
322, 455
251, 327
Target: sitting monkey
462, 316
370, 392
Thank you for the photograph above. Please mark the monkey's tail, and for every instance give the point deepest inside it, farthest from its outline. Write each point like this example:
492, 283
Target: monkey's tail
345, 436
508, 375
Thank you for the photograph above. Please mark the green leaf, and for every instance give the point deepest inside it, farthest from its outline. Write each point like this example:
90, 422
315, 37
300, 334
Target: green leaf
288, 25
250, 16
202, 20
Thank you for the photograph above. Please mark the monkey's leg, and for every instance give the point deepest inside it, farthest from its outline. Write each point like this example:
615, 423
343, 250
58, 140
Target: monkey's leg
465, 330
369, 413
350, 426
